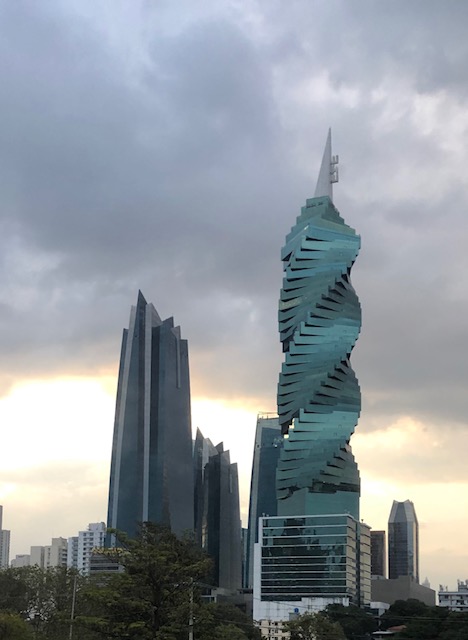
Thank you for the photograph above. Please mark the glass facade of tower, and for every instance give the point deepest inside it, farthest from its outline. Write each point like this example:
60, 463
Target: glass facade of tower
217, 511
151, 469
318, 394
315, 556
403, 541
268, 444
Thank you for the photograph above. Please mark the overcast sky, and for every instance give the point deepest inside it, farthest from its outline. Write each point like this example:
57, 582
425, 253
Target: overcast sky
169, 146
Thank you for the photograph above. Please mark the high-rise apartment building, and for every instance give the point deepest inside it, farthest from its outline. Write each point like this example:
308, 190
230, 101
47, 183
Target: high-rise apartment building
45, 557
4, 544
80, 547
316, 550
151, 470
378, 554
403, 541
267, 447
216, 505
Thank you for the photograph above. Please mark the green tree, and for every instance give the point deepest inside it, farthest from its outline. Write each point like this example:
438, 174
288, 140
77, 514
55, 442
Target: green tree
42, 596
454, 627
314, 626
355, 622
228, 632
421, 621
211, 618
152, 597
13, 627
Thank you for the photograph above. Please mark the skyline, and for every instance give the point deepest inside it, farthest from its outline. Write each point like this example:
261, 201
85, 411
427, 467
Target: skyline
142, 150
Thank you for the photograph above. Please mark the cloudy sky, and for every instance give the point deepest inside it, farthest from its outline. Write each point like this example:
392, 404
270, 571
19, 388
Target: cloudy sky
169, 146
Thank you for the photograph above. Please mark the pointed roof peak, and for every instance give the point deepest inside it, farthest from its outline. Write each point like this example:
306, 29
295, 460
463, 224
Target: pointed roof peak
328, 171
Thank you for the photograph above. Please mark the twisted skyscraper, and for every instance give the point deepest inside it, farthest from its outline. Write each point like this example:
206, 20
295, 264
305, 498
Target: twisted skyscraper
318, 394
315, 550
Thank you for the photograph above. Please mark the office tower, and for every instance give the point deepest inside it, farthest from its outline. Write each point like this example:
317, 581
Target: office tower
318, 394
378, 553
315, 551
403, 541
314, 559
267, 447
151, 470
80, 547
4, 544
217, 523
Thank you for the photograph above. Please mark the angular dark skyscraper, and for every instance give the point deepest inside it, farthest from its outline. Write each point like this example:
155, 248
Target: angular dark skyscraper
403, 541
217, 512
319, 399
151, 470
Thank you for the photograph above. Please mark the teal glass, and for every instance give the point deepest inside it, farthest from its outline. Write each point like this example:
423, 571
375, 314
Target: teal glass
319, 399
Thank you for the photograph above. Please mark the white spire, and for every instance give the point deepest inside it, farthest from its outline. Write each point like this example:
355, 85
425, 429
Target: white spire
328, 171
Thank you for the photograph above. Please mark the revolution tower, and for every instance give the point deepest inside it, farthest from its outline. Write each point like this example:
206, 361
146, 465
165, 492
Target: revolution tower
319, 398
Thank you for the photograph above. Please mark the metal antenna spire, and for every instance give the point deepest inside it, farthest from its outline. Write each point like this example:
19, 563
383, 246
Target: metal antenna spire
328, 171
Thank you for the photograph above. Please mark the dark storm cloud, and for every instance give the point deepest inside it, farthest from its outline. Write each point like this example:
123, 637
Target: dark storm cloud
183, 176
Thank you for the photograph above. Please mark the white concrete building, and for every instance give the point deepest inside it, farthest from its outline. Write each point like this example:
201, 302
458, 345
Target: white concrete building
80, 547
456, 600
4, 544
48, 556
21, 560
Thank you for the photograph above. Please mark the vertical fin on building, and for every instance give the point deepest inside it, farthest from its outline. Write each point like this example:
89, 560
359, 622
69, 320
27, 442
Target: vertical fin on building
328, 171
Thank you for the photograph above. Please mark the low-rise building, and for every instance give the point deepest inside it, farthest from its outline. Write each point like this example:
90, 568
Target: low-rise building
456, 600
401, 588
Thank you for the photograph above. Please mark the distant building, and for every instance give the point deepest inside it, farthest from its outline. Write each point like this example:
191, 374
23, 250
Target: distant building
80, 547
218, 524
4, 544
402, 588
151, 475
456, 600
403, 541
267, 447
44, 556
21, 560
378, 554
203, 449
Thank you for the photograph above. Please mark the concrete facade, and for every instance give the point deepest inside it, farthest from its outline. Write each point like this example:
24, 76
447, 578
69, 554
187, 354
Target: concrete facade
456, 600
402, 588
4, 544
80, 547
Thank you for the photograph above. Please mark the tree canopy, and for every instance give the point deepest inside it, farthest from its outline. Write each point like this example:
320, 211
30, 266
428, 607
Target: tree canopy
314, 626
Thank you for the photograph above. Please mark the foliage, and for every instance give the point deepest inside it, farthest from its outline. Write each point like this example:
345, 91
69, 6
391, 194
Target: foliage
13, 627
210, 620
228, 632
42, 597
152, 597
314, 626
355, 622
